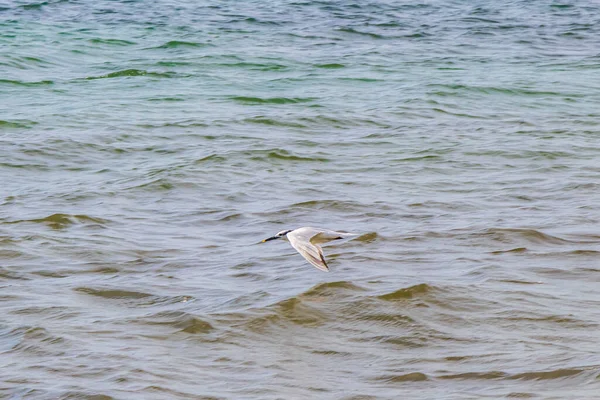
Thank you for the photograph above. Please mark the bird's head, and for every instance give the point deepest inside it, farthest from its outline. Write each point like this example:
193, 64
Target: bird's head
278, 235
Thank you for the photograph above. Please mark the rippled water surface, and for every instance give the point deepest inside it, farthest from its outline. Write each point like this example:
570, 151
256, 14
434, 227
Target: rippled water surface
147, 147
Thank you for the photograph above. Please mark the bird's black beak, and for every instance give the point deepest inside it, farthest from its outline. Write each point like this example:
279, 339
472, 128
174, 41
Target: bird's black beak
271, 238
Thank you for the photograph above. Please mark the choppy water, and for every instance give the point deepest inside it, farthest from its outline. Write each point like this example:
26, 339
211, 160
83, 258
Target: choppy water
146, 147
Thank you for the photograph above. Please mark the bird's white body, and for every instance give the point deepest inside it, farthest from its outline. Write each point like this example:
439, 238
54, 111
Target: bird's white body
306, 241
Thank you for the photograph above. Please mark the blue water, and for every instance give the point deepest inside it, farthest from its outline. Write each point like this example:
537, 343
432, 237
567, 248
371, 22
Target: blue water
147, 147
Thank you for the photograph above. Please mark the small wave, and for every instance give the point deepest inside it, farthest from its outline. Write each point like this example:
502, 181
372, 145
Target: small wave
36, 341
508, 91
211, 158
280, 154
132, 297
408, 293
410, 377
112, 42
158, 184
273, 122
298, 312
271, 100
368, 237
330, 66
17, 124
183, 321
531, 235
26, 84
463, 115
180, 124
61, 221
545, 375
357, 32
113, 293
515, 250
533, 375
134, 73
34, 6
329, 205
254, 66
475, 375
327, 289
179, 43
73, 395
290, 312
8, 274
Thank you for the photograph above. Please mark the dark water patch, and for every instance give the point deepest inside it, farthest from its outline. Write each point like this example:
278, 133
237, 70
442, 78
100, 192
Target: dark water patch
409, 292
515, 250
330, 66
25, 124
548, 375
561, 6
519, 282
475, 375
332, 353
398, 341
74, 395
8, 254
295, 310
127, 73
253, 20
180, 124
420, 158
528, 376
273, 122
167, 99
182, 321
249, 275
113, 293
62, 221
507, 235
457, 114
254, 66
278, 155
331, 205
6, 273
506, 91
567, 322
359, 79
213, 158
583, 252
25, 84
282, 315
361, 33
179, 43
130, 298
386, 319
37, 341
34, 6
50, 274
328, 289
271, 100
112, 42
159, 185
56, 312
410, 377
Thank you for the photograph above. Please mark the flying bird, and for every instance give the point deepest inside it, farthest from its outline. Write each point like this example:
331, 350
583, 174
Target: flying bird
306, 241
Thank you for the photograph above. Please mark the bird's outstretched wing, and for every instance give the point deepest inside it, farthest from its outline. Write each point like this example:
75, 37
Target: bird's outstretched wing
300, 240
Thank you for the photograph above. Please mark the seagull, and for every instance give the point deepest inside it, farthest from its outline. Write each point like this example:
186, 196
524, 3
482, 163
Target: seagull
306, 241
